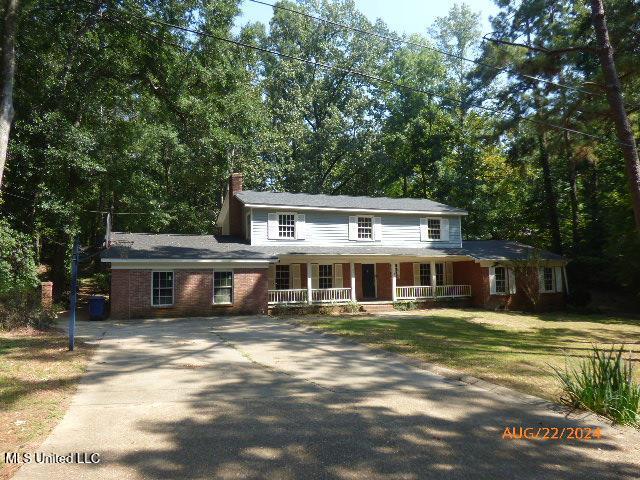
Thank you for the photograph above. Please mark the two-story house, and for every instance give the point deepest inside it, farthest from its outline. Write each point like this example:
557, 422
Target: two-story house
284, 248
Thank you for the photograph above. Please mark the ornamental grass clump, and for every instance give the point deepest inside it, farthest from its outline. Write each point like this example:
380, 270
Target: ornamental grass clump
603, 383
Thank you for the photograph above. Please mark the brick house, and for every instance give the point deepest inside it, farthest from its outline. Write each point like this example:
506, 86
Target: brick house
283, 248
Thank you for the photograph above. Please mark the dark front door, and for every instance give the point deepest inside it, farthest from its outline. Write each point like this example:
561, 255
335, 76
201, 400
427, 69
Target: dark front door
368, 280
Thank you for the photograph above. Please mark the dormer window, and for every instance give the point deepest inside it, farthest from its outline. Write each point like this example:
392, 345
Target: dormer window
286, 225
433, 228
365, 228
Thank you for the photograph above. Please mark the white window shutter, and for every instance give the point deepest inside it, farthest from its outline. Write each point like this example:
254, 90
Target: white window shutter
423, 230
377, 229
301, 226
272, 226
416, 274
272, 276
353, 228
294, 271
492, 280
558, 274
512, 281
444, 229
315, 273
541, 279
448, 273
337, 275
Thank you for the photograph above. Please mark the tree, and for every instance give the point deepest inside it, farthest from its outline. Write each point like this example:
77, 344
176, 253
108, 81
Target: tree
616, 103
8, 69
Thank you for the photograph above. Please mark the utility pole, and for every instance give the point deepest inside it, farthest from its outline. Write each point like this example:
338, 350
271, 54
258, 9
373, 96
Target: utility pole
616, 104
75, 258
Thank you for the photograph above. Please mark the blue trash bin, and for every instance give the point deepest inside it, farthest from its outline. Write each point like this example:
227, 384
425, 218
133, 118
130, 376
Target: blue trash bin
97, 307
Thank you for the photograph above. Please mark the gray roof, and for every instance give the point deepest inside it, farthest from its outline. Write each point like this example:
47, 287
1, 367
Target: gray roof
152, 246
172, 246
345, 202
503, 250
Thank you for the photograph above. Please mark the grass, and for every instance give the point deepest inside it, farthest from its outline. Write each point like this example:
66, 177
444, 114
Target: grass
37, 378
512, 349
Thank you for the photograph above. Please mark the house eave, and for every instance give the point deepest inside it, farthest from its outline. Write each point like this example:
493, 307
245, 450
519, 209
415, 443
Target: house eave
363, 210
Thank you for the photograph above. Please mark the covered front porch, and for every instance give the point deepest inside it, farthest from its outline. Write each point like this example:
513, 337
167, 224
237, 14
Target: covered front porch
333, 280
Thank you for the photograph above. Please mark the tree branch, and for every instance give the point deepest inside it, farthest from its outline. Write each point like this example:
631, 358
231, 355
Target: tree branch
546, 51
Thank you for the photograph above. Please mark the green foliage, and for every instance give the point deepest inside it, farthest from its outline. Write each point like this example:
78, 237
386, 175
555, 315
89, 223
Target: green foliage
405, 305
351, 307
151, 120
603, 383
22, 311
18, 270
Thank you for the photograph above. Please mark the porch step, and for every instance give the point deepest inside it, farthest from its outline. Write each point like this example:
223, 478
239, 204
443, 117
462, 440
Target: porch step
378, 307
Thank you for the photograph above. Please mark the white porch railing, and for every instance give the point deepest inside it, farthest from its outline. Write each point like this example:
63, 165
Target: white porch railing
453, 291
298, 295
403, 293
440, 291
323, 295
318, 295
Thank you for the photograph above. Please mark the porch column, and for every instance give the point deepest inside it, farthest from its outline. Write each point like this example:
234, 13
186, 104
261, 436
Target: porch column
309, 283
353, 282
393, 281
433, 276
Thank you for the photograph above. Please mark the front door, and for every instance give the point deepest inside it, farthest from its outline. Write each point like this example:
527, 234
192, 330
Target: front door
368, 281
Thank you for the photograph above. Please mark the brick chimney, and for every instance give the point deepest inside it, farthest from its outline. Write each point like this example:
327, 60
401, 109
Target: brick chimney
235, 207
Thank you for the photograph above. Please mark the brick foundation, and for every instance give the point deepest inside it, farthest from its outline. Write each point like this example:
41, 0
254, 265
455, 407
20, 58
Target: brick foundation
193, 292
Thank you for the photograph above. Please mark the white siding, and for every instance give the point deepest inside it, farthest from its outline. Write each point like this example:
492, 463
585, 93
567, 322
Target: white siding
332, 228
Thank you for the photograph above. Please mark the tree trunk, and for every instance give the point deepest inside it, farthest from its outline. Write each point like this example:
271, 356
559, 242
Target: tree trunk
573, 191
616, 104
549, 195
8, 74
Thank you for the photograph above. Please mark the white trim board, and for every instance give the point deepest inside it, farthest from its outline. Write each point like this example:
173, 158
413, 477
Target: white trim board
361, 210
185, 266
189, 260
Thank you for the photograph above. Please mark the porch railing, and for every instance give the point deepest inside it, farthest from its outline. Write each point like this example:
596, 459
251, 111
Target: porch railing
298, 295
318, 295
403, 293
324, 295
440, 291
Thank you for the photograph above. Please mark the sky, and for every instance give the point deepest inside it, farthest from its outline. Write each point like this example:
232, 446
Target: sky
403, 16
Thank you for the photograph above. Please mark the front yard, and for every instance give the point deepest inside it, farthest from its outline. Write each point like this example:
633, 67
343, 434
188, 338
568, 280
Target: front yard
37, 378
512, 349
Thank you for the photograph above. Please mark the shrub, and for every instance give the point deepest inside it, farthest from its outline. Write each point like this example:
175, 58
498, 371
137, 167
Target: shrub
351, 307
405, 306
102, 282
579, 297
18, 269
603, 383
23, 311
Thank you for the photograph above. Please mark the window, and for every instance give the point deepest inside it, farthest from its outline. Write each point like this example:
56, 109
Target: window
501, 280
248, 227
425, 274
222, 287
439, 273
162, 289
433, 228
548, 279
365, 228
325, 277
282, 277
286, 225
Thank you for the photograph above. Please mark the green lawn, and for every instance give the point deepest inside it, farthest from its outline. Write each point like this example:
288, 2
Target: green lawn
37, 378
511, 349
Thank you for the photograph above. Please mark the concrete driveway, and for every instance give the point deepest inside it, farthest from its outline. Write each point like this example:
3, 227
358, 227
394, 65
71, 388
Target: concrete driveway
252, 397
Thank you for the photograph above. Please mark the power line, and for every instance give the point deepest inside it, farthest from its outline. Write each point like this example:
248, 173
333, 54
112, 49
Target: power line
349, 71
427, 47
